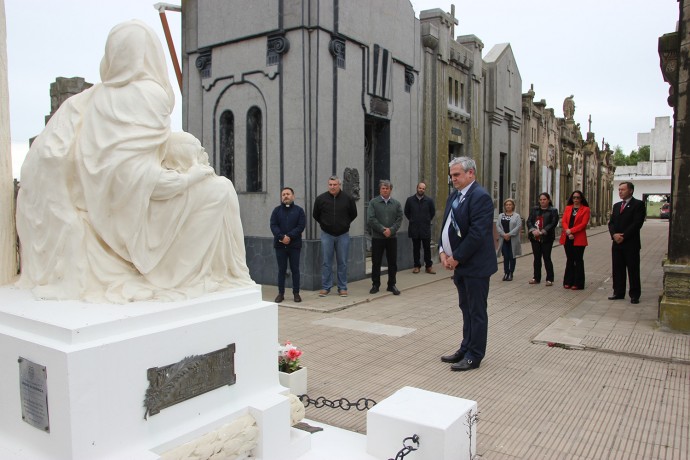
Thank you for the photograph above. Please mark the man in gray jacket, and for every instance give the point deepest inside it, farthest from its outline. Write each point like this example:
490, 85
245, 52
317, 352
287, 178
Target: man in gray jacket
384, 217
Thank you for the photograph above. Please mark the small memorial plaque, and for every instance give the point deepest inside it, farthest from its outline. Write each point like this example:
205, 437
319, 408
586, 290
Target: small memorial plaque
33, 391
194, 375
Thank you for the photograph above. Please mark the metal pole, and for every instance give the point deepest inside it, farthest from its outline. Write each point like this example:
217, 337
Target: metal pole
161, 7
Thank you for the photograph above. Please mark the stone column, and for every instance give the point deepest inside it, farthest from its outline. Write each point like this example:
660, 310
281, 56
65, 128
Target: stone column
674, 51
8, 237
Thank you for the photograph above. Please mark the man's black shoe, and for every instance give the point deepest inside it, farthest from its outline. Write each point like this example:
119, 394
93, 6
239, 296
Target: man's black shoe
393, 289
616, 297
465, 365
279, 298
374, 290
454, 358
634, 300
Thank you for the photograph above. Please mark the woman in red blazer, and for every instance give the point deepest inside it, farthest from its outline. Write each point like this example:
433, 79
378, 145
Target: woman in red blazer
574, 240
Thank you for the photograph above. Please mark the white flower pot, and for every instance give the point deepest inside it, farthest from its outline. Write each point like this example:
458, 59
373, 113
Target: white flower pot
295, 381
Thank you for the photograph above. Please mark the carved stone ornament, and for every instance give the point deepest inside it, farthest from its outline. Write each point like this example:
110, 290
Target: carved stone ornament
569, 107
351, 182
276, 46
337, 49
409, 78
668, 57
193, 376
203, 64
378, 106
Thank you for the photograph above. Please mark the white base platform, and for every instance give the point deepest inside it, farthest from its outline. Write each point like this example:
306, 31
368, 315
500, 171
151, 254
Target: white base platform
97, 356
337, 444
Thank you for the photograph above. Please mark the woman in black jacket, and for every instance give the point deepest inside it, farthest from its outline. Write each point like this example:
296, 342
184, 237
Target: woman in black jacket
541, 225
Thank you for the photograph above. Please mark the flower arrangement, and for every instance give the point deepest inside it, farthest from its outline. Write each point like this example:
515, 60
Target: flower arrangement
288, 358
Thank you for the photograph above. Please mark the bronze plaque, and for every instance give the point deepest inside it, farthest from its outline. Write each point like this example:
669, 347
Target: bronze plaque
33, 391
194, 375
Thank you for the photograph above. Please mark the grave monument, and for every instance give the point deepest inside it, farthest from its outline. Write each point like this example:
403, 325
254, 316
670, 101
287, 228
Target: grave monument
135, 330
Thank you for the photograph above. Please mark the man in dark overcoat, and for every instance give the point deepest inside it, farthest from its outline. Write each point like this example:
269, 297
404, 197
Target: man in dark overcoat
420, 210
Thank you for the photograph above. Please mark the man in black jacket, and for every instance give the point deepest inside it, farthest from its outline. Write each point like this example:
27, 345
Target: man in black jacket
334, 210
287, 224
420, 210
625, 223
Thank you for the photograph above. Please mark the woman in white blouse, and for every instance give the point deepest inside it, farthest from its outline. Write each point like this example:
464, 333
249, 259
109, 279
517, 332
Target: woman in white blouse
508, 226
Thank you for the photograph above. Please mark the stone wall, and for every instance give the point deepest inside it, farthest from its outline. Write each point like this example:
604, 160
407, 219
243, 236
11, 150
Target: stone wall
674, 51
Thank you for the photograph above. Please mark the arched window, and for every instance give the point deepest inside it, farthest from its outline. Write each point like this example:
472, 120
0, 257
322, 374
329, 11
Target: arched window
227, 145
254, 153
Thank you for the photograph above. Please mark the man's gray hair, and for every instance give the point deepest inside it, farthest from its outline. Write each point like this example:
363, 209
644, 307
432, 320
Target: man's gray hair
386, 182
335, 178
466, 163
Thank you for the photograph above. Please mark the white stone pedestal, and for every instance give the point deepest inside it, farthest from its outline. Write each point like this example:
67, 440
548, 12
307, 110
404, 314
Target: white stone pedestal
295, 381
96, 358
439, 420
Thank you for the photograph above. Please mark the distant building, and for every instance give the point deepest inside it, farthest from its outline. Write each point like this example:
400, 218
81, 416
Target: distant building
651, 177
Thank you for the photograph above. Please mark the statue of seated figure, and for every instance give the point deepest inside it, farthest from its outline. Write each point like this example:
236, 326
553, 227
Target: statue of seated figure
115, 208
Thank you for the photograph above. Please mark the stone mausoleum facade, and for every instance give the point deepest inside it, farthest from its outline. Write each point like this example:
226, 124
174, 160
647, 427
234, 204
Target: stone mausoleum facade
287, 93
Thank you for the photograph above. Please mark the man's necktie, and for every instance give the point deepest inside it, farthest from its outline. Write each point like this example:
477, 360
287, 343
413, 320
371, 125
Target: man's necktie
456, 202
623, 205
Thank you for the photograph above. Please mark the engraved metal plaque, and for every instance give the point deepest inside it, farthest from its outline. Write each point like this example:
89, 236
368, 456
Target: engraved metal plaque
33, 392
194, 375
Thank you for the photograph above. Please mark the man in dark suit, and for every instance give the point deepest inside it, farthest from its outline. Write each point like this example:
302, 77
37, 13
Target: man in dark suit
466, 246
625, 223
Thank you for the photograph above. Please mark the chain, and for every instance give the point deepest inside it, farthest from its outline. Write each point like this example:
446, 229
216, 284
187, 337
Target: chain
361, 404
407, 448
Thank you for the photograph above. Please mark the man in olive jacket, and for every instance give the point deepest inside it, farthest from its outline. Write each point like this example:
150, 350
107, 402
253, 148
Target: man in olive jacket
384, 217
420, 210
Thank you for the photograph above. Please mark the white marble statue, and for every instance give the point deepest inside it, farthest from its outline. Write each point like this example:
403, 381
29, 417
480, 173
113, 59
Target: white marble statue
115, 208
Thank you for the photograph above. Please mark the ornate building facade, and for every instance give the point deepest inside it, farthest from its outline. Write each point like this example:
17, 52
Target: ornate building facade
557, 160
452, 88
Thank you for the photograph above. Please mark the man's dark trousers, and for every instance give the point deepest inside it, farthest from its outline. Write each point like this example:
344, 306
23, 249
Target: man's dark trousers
473, 294
283, 255
426, 244
378, 246
626, 259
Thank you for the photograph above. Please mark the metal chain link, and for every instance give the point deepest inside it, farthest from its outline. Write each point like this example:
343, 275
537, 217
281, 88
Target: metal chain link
361, 404
407, 448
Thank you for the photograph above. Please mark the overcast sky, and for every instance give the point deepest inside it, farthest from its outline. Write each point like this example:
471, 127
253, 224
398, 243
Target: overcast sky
604, 52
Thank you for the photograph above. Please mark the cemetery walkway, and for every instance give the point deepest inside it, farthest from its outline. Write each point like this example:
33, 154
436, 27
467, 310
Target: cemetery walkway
614, 386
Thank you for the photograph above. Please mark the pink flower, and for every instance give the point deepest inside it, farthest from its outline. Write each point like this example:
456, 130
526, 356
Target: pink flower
293, 354
288, 357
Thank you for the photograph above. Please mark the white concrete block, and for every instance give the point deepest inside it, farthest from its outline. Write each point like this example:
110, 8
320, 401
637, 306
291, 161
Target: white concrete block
97, 358
440, 421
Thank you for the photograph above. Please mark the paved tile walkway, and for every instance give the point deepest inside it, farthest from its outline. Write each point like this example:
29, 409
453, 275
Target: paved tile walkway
619, 389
